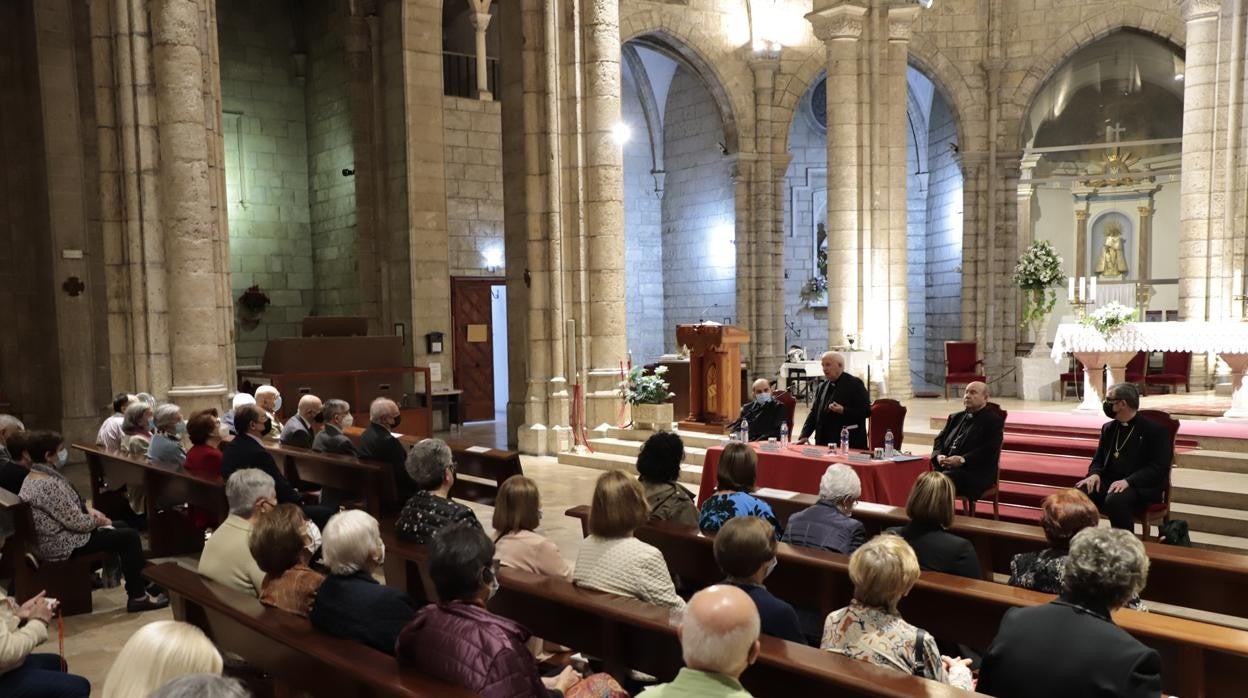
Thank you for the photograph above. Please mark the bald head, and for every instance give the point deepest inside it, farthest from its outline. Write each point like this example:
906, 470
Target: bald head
309, 407
720, 631
762, 385
833, 363
976, 396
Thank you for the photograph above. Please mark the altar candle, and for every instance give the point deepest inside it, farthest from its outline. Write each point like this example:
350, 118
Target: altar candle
1092, 289
1083, 288
1070, 289
1237, 284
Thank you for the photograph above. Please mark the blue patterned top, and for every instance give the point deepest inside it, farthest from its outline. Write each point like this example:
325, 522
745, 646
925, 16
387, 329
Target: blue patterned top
720, 507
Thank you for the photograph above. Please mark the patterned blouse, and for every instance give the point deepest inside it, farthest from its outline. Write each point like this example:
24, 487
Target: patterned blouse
62, 523
1042, 571
426, 513
877, 636
720, 507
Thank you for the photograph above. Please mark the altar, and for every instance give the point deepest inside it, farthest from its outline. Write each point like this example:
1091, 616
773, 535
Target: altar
1229, 340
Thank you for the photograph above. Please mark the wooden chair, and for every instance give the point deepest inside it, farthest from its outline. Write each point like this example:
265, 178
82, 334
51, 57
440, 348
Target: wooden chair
1159, 512
68, 580
790, 407
1136, 368
1073, 376
993, 492
1176, 370
886, 414
961, 358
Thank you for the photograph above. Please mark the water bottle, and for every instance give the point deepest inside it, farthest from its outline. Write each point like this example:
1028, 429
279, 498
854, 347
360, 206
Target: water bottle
845, 441
744, 431
784, 434
888, 444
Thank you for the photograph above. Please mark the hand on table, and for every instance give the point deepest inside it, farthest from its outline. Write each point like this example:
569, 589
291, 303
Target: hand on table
1118, 486
802, 442
1090, 484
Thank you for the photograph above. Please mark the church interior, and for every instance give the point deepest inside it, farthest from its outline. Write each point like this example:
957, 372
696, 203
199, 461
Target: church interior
546, 231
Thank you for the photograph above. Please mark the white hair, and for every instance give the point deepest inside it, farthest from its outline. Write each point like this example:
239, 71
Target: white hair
351, 539
335, 407
839, 483
202, 686
840, 358
241, 399
380, 408
266, 389
245, 487
717, 652
10, 423
166, 415
1107, 566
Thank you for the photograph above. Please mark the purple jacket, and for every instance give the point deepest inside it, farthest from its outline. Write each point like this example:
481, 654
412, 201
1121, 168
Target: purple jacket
464, 644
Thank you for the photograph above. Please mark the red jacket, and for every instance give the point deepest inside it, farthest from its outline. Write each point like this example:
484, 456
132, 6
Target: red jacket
464, 644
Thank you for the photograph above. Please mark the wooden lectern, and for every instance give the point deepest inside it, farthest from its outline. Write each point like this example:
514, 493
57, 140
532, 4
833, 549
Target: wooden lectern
714, 374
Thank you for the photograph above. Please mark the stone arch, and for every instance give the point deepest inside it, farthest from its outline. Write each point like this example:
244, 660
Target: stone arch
649, 30
926, 58
792, 87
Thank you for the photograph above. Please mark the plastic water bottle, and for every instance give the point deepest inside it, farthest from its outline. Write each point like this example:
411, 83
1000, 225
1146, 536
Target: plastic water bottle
784, 434
744, 431
888, 444
845, 441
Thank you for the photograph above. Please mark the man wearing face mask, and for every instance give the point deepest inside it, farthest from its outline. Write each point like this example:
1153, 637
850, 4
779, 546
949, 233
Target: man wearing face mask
378, 443
765, 414
226, 558
337, 414
270, 400
248, 451
1132, 462
745, 550
300, 428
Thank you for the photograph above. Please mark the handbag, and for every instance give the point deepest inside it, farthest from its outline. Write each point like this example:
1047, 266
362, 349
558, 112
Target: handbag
1175, 532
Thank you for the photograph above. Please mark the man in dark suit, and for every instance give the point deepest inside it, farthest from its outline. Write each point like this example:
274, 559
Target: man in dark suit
968, 448
248, 451
299, 429
765, 414
1071, 647
841, 400
1132, 462
337, 415
378, 443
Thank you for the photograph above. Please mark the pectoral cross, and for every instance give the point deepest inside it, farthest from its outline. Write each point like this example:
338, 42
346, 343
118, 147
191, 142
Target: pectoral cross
1113, 134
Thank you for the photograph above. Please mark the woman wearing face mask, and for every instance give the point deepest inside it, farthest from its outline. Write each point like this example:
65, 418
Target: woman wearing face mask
745, 550
66, 527
136, 428
166, 443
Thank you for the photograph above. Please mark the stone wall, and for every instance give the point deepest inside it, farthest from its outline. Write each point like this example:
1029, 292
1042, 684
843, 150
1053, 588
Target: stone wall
805, 186
643, 238
699, 254
943, 240
474, 184
919, 102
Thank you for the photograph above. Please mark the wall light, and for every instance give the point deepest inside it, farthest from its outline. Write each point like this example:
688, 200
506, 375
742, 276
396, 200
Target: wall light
620, 133
492, 257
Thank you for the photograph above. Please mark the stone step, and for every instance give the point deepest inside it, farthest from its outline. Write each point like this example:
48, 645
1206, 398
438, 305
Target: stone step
625, 447
1206, 519
919, 437
691, 474
1210, 488
695, 439
1209, 459
1214, 541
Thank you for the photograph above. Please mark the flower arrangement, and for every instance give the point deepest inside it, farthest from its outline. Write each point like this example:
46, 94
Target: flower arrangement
815, 288
1110, 318
640, 388
254, 299
1037, 273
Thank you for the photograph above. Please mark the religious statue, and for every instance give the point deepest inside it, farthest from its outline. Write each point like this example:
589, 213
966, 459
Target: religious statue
1113, 261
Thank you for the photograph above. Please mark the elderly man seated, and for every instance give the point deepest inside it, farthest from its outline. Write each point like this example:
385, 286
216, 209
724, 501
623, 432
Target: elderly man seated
226, 558
719, 640
301, 428
378, 443
765, 414
110, 434
828, 524
270, 400
337, 415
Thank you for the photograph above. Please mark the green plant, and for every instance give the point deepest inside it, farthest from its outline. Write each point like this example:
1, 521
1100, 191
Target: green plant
641, 388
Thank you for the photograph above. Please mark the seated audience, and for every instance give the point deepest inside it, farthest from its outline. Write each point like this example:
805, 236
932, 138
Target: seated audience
337, 415
432, 470
136, 428
109, 436
968, 448
227, 420
147, 398
156, 654
870, 629
166, 443
226, 558
1131, 466
202, 686
270, 400
658, 468
764, 413
299, 428
14, 462
828, 523
930, 508
204, 458
351, 603
517, 513
248, 451
9, 425
22, 629
719, 641
614, 561
458, 640
745, 550
66, 527
1071, 646
738, 467
282, 548
378, 443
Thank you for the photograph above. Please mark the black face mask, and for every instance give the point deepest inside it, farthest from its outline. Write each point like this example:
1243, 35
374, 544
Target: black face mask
1108, 406
268, 426
397, 418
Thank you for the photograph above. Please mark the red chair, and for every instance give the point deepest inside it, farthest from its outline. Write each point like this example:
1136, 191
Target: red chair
1072, 377
1160, 512
1136, 368
790, 407
1176, 370
961, 358
886, 414
993, 492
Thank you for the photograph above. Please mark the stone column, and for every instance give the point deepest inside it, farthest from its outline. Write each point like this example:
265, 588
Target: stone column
900, 22
1199, 208
480, 22
741, 171
199, 356
1145, 271
764, 245
1081, 239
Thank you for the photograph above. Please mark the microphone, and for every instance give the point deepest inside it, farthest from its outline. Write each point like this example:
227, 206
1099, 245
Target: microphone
702, 315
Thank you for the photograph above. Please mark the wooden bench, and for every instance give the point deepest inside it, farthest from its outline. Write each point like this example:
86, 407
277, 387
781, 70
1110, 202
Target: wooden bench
286, 646
68, 580
359, 478
167, 488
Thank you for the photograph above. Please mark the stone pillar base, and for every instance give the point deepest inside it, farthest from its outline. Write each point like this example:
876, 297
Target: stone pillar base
533, 439
1037, 378
602, 398
192, 398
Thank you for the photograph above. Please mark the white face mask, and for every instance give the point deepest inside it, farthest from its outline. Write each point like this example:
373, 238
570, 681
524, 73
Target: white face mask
348, 421
62, 456
314, 533
277, 404
381, 556
493, 586
771, 567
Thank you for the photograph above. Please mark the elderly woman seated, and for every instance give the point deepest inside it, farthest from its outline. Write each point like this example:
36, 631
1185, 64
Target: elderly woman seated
883, 570
1071, 646
166, 442
282, 547
735, 476
136, 428
351, 603
432, 469
930, 508
1065, 514
517, 513
827, 524
658, 468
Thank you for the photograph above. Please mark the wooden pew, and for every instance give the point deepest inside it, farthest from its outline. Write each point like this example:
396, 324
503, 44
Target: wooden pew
364, 479
69, 580
629, 634
1219, 577
286, 647
1197, 658
167, 487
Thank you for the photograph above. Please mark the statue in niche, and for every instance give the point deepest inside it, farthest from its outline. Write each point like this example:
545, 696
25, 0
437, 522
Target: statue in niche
1113, 261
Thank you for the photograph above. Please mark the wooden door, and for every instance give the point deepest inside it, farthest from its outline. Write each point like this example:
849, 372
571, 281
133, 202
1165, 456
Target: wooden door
472, 314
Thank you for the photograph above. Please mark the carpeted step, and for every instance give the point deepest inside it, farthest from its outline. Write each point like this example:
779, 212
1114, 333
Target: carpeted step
1042, 469
1009, 512
1026, 493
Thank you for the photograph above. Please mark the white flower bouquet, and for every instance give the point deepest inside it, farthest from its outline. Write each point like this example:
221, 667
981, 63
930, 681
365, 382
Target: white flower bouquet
1110, 318
1037, 273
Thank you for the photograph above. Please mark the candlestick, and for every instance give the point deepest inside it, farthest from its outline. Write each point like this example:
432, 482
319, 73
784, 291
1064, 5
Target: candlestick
1083, 288
1070, 289
1092, 289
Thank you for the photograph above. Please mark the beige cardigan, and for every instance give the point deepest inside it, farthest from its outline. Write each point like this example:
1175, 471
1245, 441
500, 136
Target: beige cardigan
531, 552
16, 642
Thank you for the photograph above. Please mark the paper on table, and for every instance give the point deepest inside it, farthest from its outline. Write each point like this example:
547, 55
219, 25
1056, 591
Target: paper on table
477, 449
774, 493
903, 457
396, 434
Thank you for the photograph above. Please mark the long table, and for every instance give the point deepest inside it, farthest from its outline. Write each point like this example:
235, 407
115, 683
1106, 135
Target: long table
796, 468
